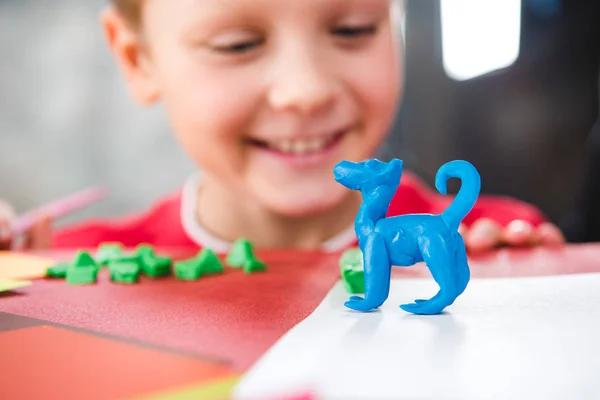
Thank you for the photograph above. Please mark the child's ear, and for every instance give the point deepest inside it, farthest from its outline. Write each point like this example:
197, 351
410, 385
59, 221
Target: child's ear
126, 45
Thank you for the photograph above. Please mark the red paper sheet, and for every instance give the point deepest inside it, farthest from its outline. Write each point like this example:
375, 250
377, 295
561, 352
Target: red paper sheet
48, 362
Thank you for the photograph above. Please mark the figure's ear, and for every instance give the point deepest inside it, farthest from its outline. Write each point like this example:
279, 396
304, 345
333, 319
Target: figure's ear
397, 164
395, 169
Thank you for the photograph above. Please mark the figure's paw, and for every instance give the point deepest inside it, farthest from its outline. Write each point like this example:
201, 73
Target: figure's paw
358, 298
359, 304
437, 295
420, 309
426, 307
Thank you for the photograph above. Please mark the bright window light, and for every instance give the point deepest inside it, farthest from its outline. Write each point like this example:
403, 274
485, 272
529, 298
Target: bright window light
479, 36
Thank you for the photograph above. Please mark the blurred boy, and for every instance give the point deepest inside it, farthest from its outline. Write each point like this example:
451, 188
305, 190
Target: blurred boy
266, 96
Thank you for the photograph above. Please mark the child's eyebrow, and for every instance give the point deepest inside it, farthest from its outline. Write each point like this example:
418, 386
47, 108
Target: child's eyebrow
343, 6
204, 13
336, 4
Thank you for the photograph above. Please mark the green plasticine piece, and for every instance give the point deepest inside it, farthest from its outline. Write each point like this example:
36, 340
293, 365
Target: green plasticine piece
82, 275
132, 258
156, 267
352, 271
206, 262
83, 270
354, 281
124, 272
83, 259
58, 271
242, 256
144, 250
209, 262
146, 261
125, 259
188, 270
108, 252
241, 251
254, 265
352, 258
152, 265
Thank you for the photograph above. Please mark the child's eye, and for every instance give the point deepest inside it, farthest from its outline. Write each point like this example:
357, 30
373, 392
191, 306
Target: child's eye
350, 32
236, 42
238, 47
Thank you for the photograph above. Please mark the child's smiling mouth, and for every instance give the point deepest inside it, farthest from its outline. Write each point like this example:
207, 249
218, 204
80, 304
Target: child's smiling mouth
300, 147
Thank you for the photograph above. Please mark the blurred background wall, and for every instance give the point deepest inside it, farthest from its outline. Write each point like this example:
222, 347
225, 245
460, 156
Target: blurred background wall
67, 122
66, 119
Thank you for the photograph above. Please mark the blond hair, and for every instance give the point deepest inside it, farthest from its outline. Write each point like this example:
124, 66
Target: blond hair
132, 9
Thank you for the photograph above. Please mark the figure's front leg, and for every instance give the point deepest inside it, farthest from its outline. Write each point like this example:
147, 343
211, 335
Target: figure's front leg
377, 271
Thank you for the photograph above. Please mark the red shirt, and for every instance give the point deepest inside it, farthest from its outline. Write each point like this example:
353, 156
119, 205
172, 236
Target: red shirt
161, 225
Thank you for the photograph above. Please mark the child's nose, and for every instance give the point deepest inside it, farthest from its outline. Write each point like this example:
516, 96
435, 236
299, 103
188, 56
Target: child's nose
302, 85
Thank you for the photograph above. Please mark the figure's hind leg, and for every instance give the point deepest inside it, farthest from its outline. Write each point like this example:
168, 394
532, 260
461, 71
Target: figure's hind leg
463, 274
377, 275
462, 265
440, 257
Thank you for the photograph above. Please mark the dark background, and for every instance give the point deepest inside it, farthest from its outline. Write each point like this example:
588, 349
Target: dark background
526, 128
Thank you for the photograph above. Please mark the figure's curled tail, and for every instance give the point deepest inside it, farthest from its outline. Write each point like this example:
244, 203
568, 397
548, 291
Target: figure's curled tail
467, 195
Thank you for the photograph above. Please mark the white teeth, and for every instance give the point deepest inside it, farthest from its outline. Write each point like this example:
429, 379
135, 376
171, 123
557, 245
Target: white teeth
316, 144
300, 147
285, 146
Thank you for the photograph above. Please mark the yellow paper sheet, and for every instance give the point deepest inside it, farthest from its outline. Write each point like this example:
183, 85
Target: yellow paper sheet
217, 390
5, 286
17, 266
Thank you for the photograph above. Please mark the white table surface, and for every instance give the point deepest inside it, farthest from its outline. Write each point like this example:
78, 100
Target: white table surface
514, 338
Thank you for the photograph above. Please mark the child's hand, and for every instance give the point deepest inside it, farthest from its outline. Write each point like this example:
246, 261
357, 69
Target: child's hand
38, 237
6, 217
486, 234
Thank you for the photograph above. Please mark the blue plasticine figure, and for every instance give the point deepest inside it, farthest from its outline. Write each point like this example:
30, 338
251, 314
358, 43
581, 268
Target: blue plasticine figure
407, 239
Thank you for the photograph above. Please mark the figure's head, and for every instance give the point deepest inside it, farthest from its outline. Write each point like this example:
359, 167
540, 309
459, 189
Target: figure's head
368, 174
266, 96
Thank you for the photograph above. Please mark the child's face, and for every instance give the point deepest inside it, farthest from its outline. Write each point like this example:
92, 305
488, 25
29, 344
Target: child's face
268, 95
